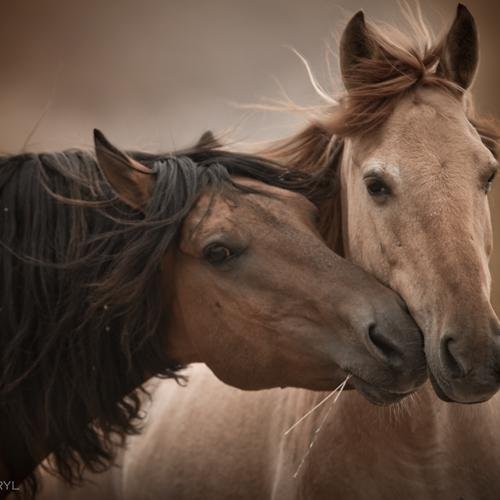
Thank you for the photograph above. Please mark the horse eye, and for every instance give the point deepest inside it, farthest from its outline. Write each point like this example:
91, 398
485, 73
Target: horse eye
215, 253
377, 188
489, 182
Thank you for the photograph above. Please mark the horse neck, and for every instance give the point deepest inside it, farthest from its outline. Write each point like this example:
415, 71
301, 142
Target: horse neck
352, 413
418, 426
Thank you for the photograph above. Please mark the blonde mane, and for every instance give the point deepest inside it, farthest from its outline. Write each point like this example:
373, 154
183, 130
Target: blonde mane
402, 63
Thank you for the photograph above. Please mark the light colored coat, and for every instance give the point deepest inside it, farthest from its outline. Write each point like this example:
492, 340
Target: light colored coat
208, 441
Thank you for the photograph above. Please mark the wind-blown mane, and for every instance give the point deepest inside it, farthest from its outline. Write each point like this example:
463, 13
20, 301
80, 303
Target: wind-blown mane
80, 305
400, 64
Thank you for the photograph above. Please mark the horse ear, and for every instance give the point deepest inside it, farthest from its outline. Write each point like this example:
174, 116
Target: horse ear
207, 141
460, 52
355, 45
132, 181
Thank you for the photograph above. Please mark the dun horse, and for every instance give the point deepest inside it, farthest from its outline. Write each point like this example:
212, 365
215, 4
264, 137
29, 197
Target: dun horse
174, 260
414, 166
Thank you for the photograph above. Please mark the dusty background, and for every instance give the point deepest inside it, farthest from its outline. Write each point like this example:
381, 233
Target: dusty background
155, 74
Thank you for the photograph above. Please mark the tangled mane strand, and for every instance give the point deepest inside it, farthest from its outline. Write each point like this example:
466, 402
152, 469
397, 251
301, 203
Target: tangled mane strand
401, 63
81, 312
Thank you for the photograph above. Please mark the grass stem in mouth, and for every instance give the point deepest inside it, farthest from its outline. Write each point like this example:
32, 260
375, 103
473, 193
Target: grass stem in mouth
338, 391
340, 387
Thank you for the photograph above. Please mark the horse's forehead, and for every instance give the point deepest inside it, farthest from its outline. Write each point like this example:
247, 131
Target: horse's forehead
211, 209
427, 116
430, 127
233, 210
271, 203
228, 211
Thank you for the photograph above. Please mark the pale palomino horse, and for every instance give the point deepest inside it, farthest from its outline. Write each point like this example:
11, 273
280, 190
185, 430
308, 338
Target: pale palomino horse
414, 166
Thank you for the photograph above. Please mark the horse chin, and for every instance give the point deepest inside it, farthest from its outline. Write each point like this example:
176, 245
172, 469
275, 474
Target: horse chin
437, 389
376, 395
441, 394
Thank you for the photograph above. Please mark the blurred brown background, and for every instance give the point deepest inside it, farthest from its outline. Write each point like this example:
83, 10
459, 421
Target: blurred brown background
155, 74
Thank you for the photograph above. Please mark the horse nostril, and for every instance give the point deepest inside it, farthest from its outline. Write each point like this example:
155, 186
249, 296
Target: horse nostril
383, 344
450, 360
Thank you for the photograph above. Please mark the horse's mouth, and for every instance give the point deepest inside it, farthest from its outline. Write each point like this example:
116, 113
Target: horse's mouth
441, 394
438, 390
376, 395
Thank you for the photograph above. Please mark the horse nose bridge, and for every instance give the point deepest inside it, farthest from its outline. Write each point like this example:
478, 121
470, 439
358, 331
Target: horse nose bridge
463, 289
458, 258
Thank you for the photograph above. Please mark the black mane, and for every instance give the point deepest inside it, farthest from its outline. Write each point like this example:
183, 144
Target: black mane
80, 310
